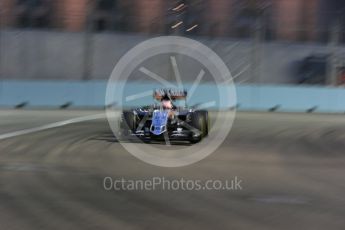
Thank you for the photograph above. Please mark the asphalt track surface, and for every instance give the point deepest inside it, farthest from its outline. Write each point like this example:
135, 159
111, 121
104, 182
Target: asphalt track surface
292, 168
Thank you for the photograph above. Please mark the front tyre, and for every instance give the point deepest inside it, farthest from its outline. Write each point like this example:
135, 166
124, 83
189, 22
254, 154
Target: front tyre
207, 121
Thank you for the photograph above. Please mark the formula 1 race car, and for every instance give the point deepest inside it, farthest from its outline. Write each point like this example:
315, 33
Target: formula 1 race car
165, 121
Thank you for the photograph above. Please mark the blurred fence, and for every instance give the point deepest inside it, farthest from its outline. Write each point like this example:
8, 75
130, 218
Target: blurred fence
53, 55
262, 42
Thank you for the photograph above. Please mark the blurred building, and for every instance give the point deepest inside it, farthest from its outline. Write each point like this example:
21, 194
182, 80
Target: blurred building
279, 19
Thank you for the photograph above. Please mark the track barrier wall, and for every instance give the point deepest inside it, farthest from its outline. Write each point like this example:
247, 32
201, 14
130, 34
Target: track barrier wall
91, 94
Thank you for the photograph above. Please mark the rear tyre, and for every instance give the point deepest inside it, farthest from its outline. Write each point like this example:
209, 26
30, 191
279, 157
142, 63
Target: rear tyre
129, 121
199, 122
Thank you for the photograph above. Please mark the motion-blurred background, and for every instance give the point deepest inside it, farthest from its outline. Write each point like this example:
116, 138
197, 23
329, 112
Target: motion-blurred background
262, 41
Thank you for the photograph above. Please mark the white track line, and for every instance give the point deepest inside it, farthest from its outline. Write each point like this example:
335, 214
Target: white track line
52, 125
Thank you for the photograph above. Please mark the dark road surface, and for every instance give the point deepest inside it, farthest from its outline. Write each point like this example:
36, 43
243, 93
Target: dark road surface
292, 169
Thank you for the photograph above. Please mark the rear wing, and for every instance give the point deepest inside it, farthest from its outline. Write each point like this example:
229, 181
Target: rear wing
173, 94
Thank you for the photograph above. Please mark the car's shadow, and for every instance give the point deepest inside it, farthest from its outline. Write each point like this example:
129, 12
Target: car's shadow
109, 137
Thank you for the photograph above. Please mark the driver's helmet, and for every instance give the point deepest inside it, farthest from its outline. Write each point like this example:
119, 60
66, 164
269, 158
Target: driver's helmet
166, 102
